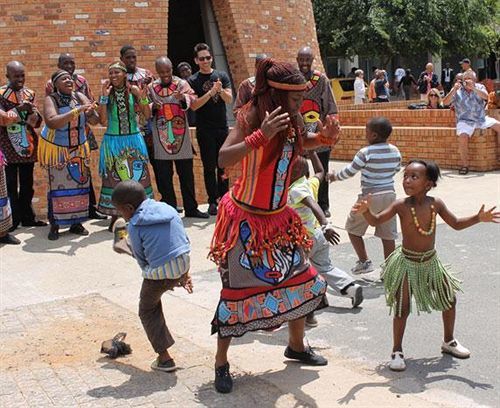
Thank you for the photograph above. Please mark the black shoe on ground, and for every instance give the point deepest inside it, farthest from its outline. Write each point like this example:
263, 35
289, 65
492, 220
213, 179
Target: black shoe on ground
34, 223
223, 379
180, 210
308, 357
53, 233
212, 209
196, 214
9, 240
78, 229
94, 215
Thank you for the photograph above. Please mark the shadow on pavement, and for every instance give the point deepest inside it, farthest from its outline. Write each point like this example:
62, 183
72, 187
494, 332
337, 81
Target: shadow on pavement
38, 242
267, 389
419, 374
140, 384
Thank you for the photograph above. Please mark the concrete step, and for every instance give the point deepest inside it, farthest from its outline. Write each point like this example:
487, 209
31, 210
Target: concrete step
400, 117
433, 143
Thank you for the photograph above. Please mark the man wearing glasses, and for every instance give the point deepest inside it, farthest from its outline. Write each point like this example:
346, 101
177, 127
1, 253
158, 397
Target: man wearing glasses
213, 89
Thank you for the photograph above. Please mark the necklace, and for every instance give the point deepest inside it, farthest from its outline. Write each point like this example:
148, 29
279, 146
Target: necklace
421, 231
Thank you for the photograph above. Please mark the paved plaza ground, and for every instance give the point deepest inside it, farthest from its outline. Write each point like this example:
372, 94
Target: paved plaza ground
60, 300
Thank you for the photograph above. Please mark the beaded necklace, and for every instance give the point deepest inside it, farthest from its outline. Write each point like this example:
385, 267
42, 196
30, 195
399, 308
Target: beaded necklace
421, 231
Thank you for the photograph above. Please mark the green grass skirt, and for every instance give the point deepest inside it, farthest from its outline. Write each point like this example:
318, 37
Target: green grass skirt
431, 286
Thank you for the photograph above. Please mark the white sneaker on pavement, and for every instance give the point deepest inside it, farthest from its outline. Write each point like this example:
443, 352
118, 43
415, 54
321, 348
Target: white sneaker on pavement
397, 362
363, 267
454, 348
355, 292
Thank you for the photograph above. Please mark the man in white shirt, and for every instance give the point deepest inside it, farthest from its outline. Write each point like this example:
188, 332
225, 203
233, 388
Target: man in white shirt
398, 75
359, 87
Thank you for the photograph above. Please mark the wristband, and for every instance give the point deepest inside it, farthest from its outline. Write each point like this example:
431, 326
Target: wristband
103, 100
144, 101
256, 139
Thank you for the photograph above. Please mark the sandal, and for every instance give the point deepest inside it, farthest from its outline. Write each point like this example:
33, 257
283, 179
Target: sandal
463, 170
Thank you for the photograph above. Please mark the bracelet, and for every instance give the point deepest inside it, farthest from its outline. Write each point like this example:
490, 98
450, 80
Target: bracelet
256, 140
144, 101
103, 100
75, 112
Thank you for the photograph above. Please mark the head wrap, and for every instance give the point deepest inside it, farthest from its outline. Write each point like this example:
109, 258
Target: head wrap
286, 87
117, 65
58, 75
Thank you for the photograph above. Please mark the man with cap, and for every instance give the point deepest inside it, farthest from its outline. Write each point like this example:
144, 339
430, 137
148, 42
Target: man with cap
465, 64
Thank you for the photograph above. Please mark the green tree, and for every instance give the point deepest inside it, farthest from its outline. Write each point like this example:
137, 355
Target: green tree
385, 28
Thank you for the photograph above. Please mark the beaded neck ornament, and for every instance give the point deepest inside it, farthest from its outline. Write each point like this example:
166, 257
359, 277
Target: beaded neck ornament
421, 231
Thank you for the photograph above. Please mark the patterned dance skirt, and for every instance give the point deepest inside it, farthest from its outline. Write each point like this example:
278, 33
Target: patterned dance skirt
129, 164
262, 288
5, 211
68, 195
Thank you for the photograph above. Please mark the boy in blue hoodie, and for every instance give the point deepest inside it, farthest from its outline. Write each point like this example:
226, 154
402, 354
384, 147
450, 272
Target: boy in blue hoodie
159, 244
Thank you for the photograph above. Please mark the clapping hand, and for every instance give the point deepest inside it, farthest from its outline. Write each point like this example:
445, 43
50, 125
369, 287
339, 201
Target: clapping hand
489, 216
274, 123
329, 133
106, 87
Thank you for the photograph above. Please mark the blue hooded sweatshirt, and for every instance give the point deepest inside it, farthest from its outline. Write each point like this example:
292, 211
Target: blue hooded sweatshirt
156, 234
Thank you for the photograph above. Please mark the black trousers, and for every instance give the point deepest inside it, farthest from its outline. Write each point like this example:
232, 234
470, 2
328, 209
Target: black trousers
323, 199
20, 190
92, 198
210, 142
164, 180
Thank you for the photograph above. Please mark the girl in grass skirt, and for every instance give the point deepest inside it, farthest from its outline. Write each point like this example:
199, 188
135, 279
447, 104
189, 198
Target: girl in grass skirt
413, 270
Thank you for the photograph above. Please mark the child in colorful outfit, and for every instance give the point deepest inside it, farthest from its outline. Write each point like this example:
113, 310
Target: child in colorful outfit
302, 195
378, 162
160, 246
414, 269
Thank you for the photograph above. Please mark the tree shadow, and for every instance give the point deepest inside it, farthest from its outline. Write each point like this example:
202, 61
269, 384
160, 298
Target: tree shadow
38, 242
140, 383
419, 374
264, 389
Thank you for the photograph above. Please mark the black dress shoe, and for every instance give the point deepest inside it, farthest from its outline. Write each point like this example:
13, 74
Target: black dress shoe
34, 223
212, 209
308, 357
180, 210
53, 233
196, 214
78, 229
9, 240
223, 380
94, 215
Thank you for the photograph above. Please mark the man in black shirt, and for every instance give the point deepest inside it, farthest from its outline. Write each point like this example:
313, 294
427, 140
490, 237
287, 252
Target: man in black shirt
213, 89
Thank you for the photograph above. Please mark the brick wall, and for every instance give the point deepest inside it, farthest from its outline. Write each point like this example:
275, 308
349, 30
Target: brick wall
36, 32
276, 28
435, 143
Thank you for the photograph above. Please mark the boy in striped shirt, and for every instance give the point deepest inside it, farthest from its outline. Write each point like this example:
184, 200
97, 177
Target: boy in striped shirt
159, 244
378, 163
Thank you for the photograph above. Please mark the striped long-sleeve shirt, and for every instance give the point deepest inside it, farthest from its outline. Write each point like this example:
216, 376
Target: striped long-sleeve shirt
378, 164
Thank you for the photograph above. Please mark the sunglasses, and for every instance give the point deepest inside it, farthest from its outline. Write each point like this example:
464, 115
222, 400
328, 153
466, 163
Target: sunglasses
205, 58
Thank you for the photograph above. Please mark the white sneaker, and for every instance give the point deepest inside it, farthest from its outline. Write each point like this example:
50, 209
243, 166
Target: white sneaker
363, 267
454, 348
355, 292
397, 362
